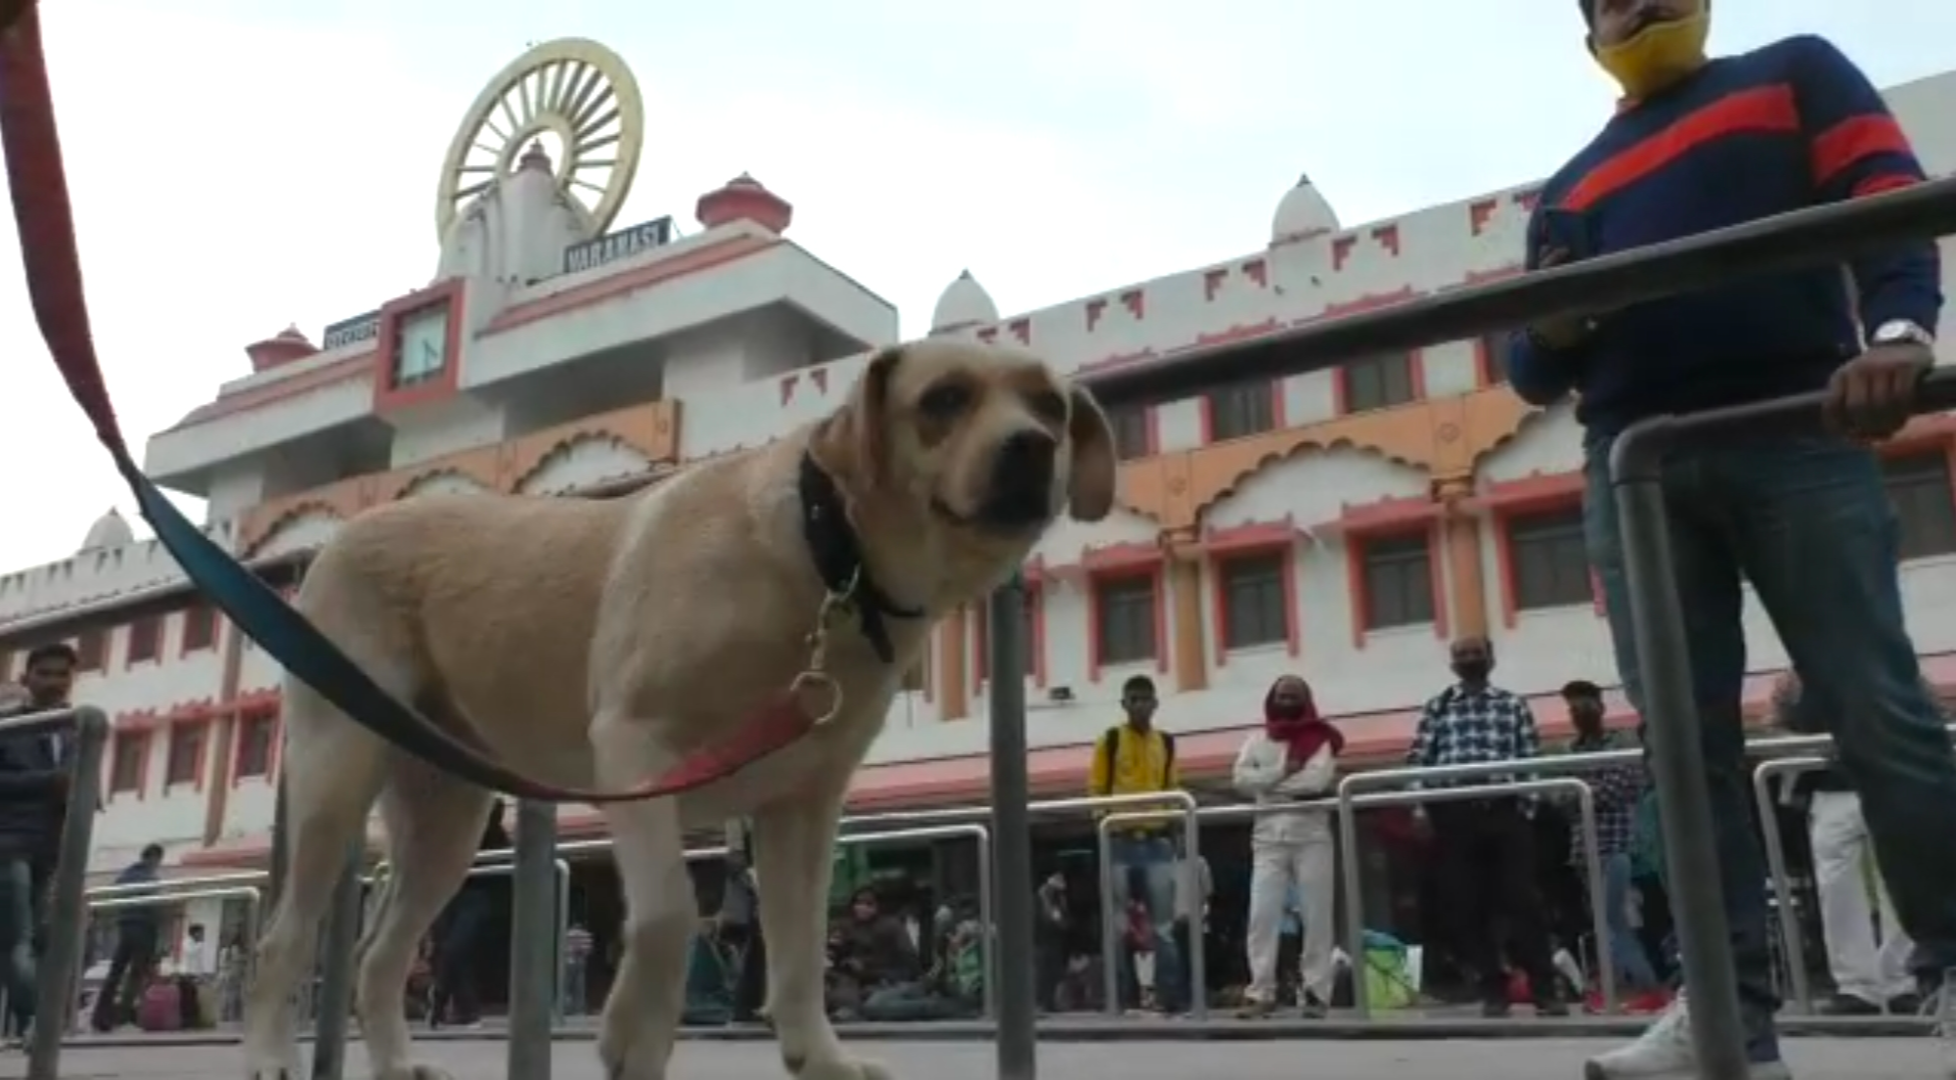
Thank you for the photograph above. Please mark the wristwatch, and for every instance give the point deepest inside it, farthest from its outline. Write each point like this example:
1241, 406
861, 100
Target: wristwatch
1899, 332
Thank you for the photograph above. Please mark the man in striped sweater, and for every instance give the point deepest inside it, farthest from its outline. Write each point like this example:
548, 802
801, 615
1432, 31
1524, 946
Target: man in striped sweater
1699, 144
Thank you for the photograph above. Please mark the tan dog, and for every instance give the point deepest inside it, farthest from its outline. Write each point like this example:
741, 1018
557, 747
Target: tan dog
599, 643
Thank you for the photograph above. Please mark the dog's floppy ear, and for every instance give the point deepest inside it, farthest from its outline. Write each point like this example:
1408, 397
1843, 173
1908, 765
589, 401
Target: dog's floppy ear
1095, 477
855, 441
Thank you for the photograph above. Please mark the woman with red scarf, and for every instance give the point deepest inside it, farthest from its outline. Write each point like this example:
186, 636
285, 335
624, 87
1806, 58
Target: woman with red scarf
1294, 759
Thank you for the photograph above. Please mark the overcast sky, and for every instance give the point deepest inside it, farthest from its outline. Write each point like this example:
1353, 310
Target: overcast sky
241, 165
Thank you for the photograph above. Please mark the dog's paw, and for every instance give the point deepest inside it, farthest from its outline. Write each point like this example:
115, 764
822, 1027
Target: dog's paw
840, 1068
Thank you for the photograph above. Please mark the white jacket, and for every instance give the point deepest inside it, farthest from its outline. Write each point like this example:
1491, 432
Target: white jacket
1260, 774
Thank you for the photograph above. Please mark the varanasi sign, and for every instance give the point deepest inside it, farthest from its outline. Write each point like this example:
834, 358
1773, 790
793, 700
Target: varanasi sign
351, 331
613, 246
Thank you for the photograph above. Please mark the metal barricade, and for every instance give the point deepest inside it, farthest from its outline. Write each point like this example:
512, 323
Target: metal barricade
1792, 942
1351, 784
1189, 884
59, 970
1354, 886
986, 892
172, 885
254, 910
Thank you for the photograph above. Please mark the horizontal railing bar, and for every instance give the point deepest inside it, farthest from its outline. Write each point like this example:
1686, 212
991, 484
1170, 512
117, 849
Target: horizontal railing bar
1821, 235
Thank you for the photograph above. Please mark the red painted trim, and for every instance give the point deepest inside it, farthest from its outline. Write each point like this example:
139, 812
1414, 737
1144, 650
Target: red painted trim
1150, 569
130, 730
149, 628
389, 398
1768, 109
1542, 491
1356, 543
1244, 542
1384, 515
1250, 536
193, 616
249, 717
1534, 503
104, 638
1132, 555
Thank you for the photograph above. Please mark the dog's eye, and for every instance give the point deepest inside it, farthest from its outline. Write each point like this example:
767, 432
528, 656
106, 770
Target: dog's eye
945, 401
1049, 405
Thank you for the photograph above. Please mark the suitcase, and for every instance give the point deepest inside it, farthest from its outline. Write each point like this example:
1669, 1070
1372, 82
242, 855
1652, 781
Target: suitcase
161, 1008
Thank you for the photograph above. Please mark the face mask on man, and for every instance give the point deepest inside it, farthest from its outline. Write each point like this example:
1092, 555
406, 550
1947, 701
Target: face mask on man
1473, 670
1658, 55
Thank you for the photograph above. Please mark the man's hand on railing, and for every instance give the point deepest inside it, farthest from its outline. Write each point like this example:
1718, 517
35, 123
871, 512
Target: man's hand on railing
1873, 395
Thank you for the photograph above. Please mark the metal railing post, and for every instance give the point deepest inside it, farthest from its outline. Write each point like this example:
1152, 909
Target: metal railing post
533, 973
1111, 920
1017, 1049
1671, 720
1791, 940
60, 968
333, 1005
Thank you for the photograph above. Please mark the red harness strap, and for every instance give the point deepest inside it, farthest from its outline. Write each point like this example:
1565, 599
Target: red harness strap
46, 222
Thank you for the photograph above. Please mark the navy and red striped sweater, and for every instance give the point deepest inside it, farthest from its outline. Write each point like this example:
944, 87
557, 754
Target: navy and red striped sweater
1782, 128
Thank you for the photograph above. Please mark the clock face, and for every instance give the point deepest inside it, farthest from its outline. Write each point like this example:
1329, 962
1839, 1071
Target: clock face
421, 349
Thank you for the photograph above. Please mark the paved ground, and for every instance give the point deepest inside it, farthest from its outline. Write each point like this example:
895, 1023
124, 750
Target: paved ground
1873, 1058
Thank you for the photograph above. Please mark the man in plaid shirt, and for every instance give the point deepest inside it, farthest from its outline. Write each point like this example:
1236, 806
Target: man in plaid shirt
1614, 791
1486, 847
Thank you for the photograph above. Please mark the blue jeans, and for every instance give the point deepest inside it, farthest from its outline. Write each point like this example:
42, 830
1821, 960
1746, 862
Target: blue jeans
1626, 952
19, 911
1808, 523
1151, 858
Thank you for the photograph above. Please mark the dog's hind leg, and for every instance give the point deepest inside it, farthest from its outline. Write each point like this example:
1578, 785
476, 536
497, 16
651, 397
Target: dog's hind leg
641, 1016
332, 772
794, 844
434, 822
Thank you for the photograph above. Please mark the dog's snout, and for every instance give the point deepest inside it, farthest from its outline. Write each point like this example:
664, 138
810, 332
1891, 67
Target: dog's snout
1022, 479
1028, 454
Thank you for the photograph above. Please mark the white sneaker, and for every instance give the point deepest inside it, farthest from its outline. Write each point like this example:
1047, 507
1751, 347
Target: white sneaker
1664, 1052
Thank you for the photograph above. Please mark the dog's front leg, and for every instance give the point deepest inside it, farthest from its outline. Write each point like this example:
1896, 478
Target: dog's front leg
793, 845
641, 1015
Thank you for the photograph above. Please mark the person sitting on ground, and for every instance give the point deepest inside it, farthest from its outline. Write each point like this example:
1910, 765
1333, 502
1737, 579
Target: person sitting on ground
953, 988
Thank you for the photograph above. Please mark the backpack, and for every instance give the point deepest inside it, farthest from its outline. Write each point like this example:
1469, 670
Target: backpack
1112, 740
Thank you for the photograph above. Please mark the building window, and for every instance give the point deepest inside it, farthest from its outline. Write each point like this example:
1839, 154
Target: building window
257, 744
1918, 486
199, 627
145, 638
1398, 581
91, 649
1242, 410
1495, 348
1125, 608
131, 761
1550, 561
1130, 431
1254, 610
1378, 382
186, 754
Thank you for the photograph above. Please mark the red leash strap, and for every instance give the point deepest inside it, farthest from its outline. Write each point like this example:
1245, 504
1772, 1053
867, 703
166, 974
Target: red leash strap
47, 234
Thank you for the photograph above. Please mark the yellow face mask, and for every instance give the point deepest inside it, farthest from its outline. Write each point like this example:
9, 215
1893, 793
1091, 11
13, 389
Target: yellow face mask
1659, 56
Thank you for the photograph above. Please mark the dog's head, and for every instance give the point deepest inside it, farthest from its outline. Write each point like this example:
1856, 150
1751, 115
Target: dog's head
989, 440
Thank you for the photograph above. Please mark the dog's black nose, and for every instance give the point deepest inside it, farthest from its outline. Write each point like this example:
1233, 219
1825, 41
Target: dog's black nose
1022, 479
1028, 455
